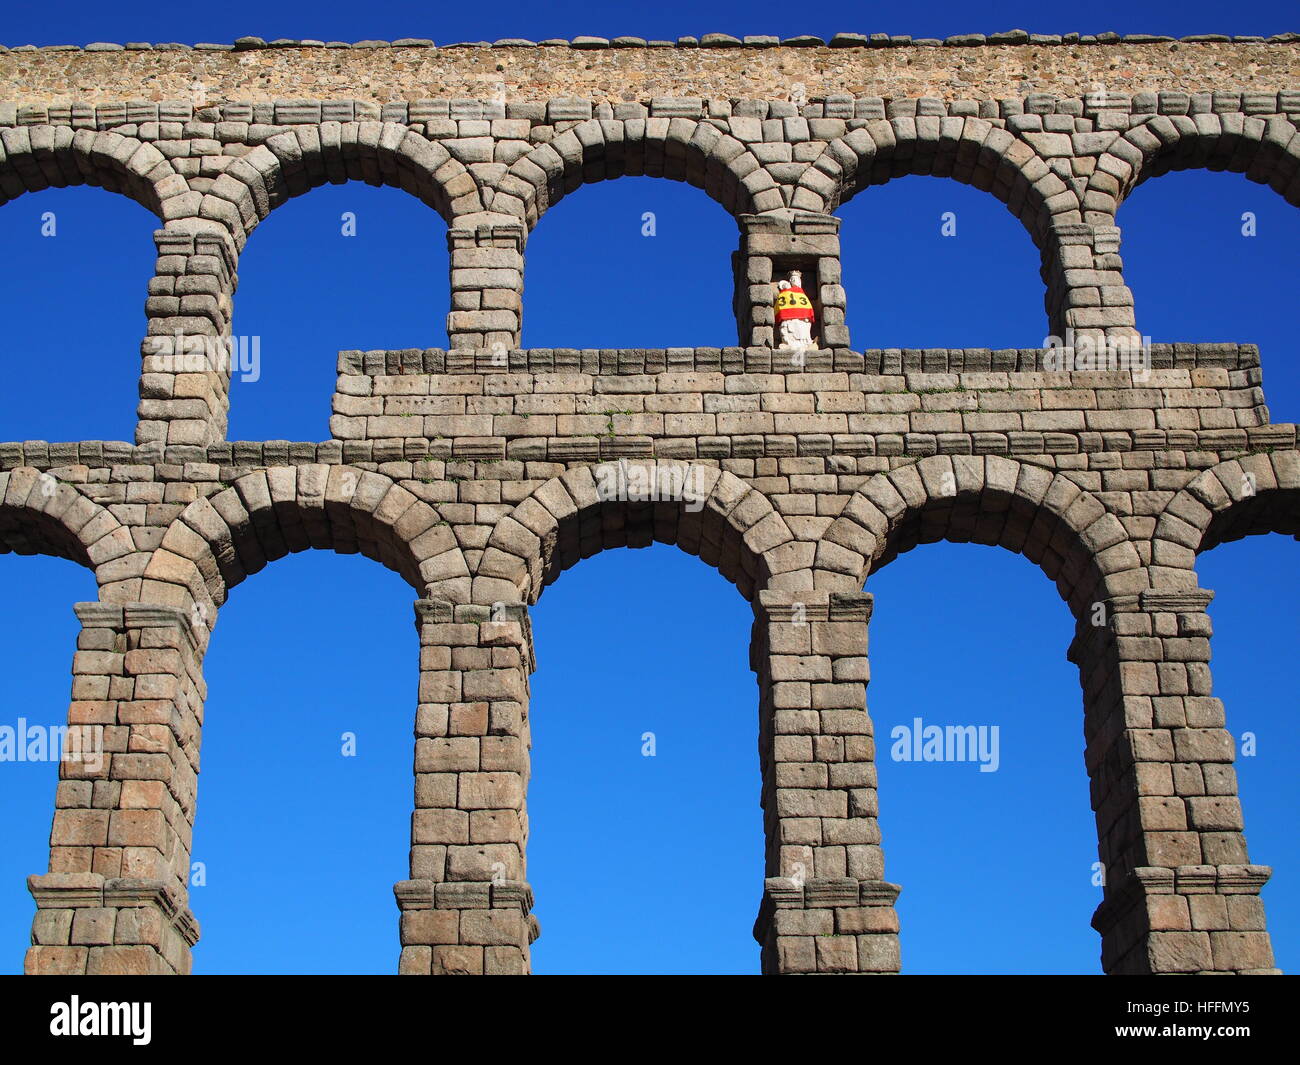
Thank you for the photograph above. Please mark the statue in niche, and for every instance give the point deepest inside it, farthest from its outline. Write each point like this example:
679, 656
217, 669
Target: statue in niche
794, 314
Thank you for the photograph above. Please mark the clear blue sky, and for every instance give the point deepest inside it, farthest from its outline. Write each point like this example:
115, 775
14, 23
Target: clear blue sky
79, 22
638, 864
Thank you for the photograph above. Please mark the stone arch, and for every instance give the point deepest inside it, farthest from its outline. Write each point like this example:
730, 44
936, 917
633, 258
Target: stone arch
1246, 496
1069, 534
38, 157
718, 517
1265, 150
40, 515
217, 541
681, 149
306, 157
970, 150
1045, 516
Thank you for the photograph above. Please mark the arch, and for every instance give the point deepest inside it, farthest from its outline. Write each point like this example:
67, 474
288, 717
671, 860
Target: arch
679, 148
1245, 496
217, 541
80, 257
1266, 151
988, 499
306, 157
995, 263
717, 516
33, 158
359, 835
40, 515
298, 284
970, 150
633, 313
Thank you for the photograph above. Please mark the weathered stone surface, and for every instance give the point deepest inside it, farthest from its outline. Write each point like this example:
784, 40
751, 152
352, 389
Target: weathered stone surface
481, 471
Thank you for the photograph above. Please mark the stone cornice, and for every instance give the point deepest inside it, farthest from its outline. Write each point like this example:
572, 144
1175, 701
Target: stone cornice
715, 66
707, 41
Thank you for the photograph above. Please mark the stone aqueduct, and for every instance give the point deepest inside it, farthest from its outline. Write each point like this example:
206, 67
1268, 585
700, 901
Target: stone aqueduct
472, 471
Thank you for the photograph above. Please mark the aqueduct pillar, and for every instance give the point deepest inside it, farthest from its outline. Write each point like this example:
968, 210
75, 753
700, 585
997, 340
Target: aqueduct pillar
826, 906
115, 899
467, 907
1180, 893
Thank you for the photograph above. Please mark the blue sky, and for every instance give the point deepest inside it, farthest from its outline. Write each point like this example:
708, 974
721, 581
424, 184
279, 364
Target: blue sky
638, 864
79, 22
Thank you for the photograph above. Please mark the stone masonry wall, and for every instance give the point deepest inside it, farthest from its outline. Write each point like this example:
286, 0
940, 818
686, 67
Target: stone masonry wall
966, 66
481, 471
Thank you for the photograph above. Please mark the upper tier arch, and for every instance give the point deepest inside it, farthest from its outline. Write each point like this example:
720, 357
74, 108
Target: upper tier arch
306, 157
678, 148
970, 150
39, 157
1266, 151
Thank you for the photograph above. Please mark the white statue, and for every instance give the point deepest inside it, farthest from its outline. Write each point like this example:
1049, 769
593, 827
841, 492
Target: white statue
794, 314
